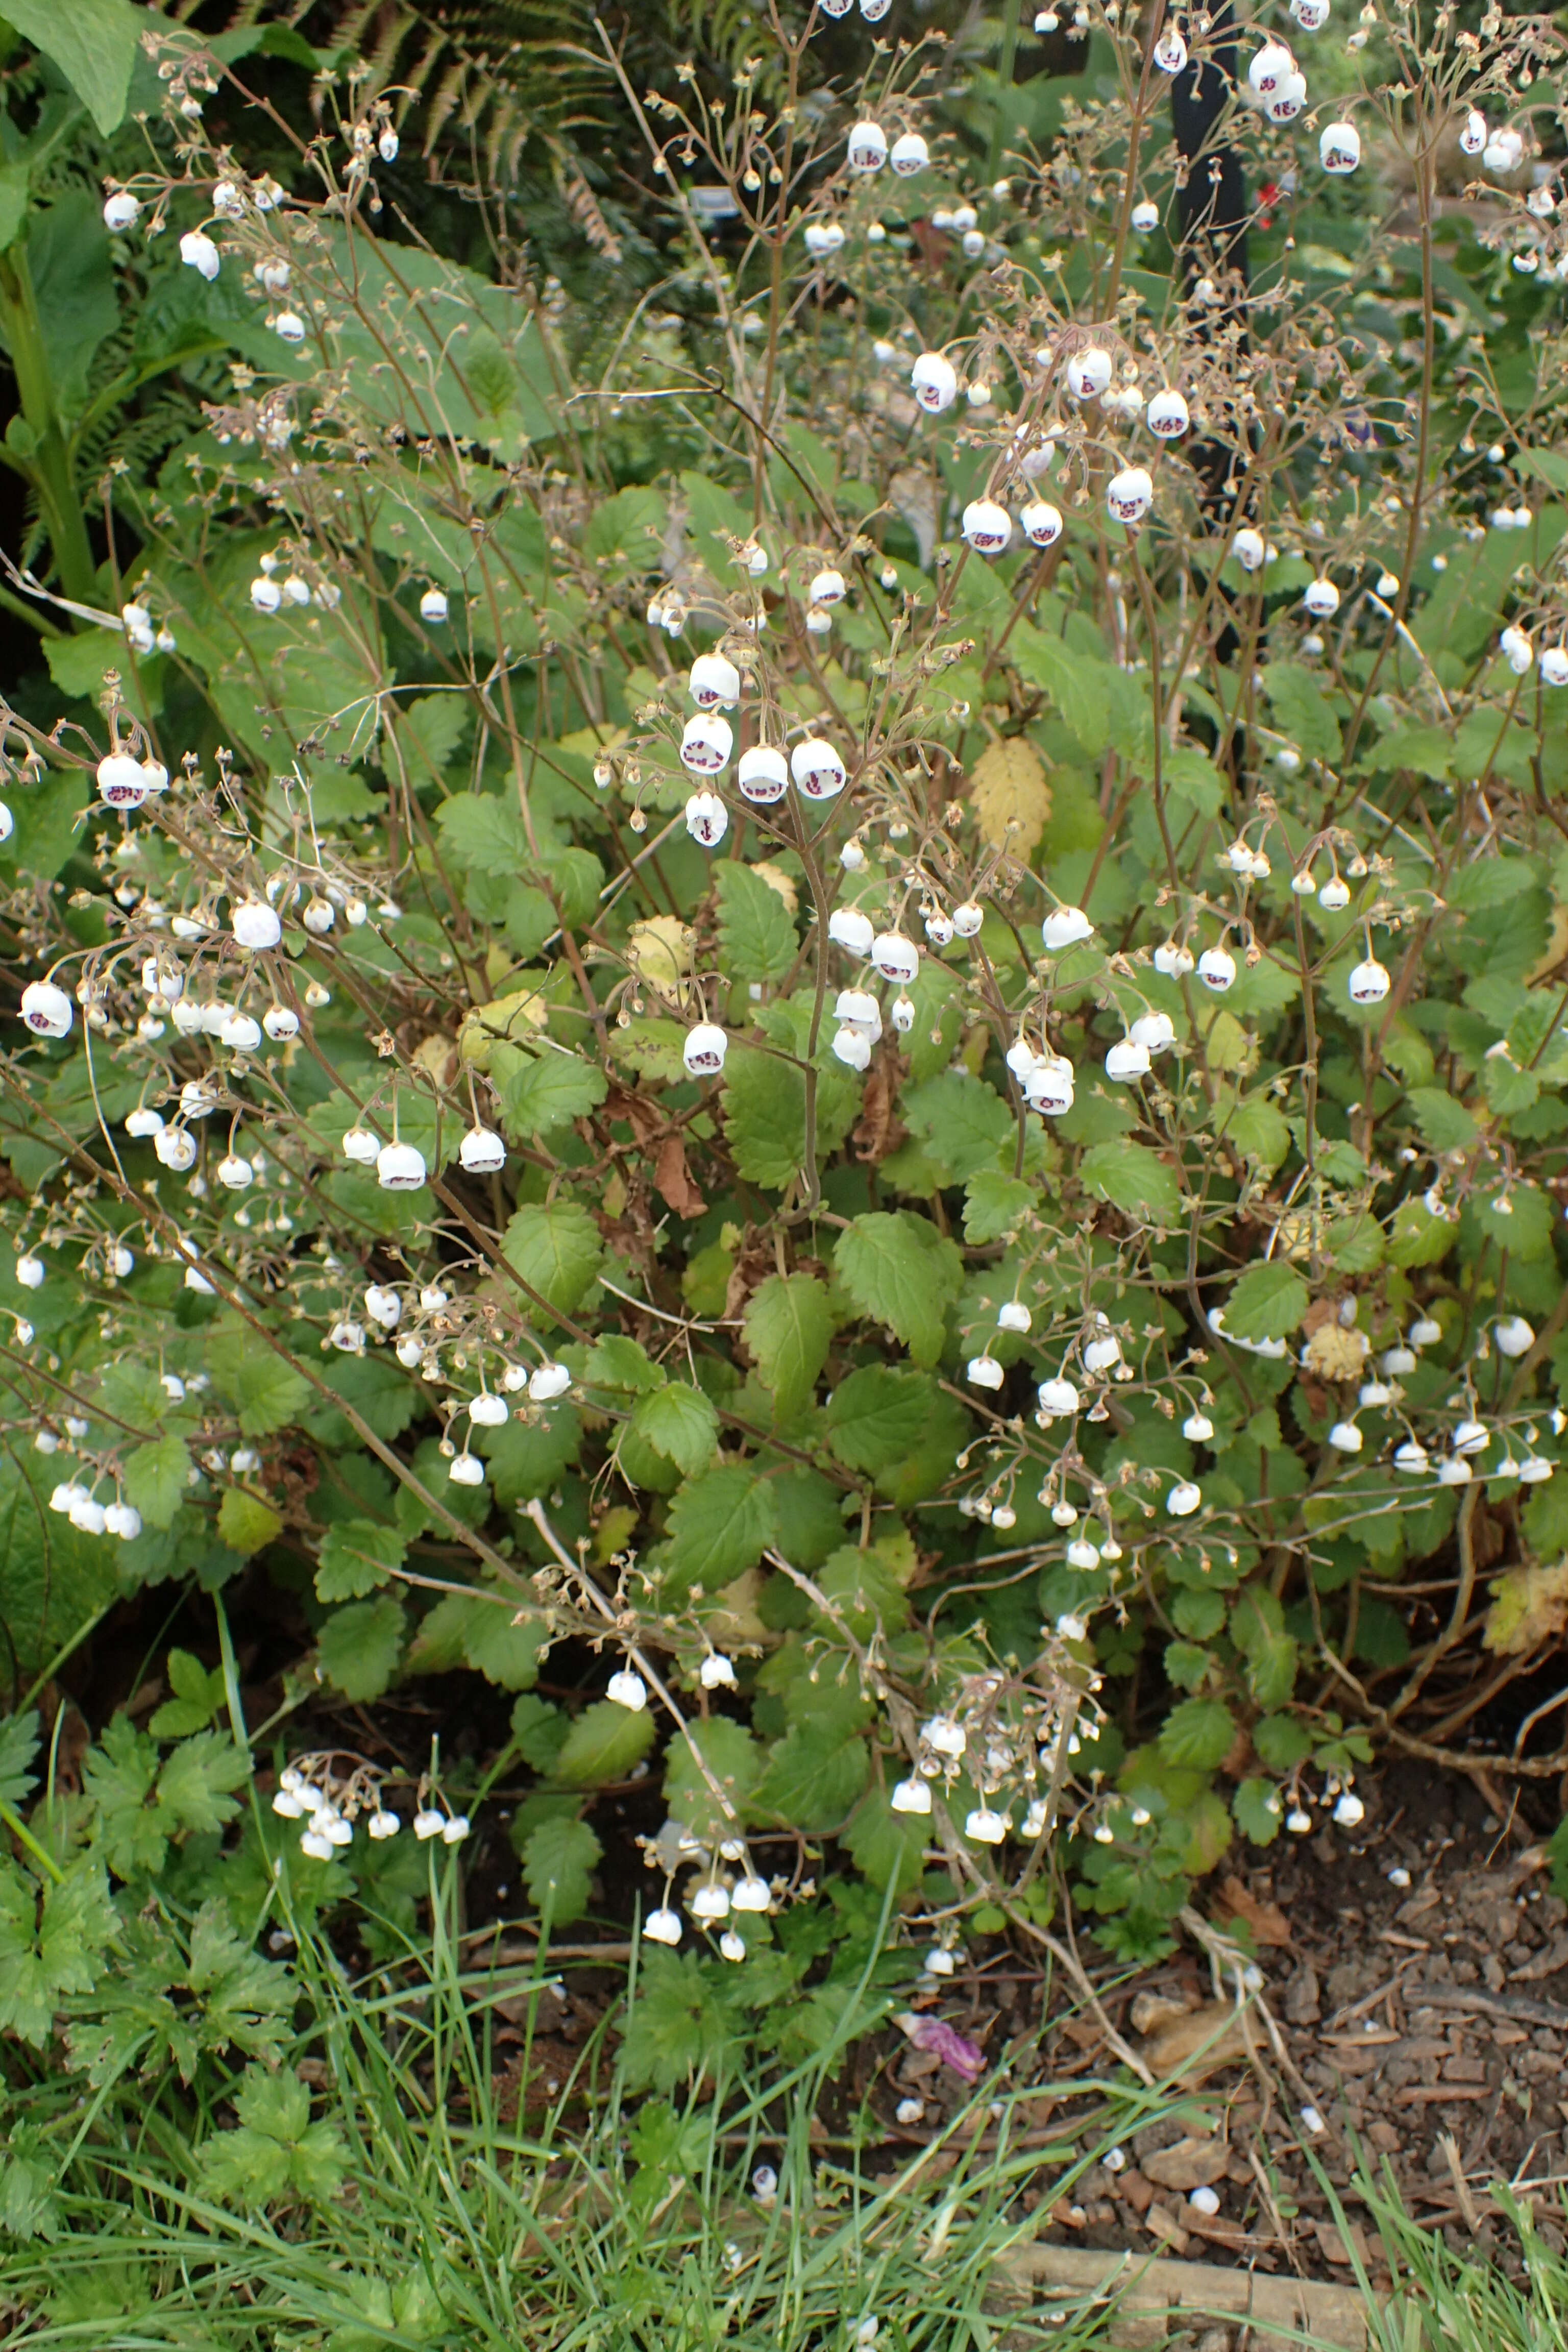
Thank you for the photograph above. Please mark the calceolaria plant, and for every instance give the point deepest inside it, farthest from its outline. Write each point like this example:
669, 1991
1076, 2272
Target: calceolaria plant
853, 990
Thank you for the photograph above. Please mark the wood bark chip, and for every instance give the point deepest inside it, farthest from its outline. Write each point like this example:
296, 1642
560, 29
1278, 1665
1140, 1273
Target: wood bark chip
1155, 2299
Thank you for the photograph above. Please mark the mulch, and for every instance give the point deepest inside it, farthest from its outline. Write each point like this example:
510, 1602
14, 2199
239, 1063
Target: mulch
1424, 2023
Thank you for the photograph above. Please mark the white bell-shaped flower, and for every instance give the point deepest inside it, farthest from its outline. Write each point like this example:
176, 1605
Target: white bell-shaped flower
985, 1372
1012, 1316
1129, 495
1090, 372
1339, 147
706, 743
547, 1381
1145, 216
707, 819
714, 682
177, 1148
848, 927
256, 924
1346, 1437
817, 770
1249, 548
853, 1048
1555, 666
1167, 414
1154, 1030
1322, 599
199, 252
46, 1010
968, 920
1269, 66
1369, 983
1100, 1354
1127, 1060
1040, 522
383, 1305
750, 1894
1334, 895
1172, 961
1513, 1336
903, 1015
935, 381
1059, 1398
399, 1168
718, 1672
121, 211
361, 1146
1517, 650
1049, 1088
1199, 1428
466, 1470
122, 781
482, 1151
1284, 104
911, 1796
627, 1689
763, 775
1184, 1499
234, 1172
895, 957
1216, 968
1065, 927
986, 526
1171, 51
828, 588
704, 1049
909, 155
867, 147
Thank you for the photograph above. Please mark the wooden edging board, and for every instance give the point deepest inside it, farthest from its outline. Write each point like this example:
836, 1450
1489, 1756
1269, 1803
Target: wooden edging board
1155, 2298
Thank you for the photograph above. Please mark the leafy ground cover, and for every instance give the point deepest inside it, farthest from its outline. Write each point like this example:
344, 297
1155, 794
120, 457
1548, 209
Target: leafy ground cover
785, 1145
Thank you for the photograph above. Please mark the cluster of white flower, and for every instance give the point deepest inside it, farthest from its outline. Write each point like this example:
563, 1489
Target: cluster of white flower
331, 1793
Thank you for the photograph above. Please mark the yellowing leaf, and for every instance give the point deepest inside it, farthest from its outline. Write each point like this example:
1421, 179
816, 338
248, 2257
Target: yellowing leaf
661, 952
1530, 1606
504, 1019
1012, 799
777, 879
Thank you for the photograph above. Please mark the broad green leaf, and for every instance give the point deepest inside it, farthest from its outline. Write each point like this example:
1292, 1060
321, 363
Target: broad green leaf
878, 1417
756, 931
961, 1122
277, 2153
556, 1251
95, 45
886, 1847
359, 1647
712, 1770
994, 1205
18, 1747
53, 1578
1198, 1734
558, 1865
1257, 1628
811, 1786
355, 1556
1442, 1122
266, 1391
678, 1421
1257, 1810
902, 1272
1132, 1178
719, 1524
50, 1946
549, 1091
246, 1523
789, 1330
155, 1480
1302, 712
603, 1743
198, 1696
1268, 1303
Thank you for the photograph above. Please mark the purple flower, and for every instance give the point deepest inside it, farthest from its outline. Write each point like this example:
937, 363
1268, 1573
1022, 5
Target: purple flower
966, 2058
